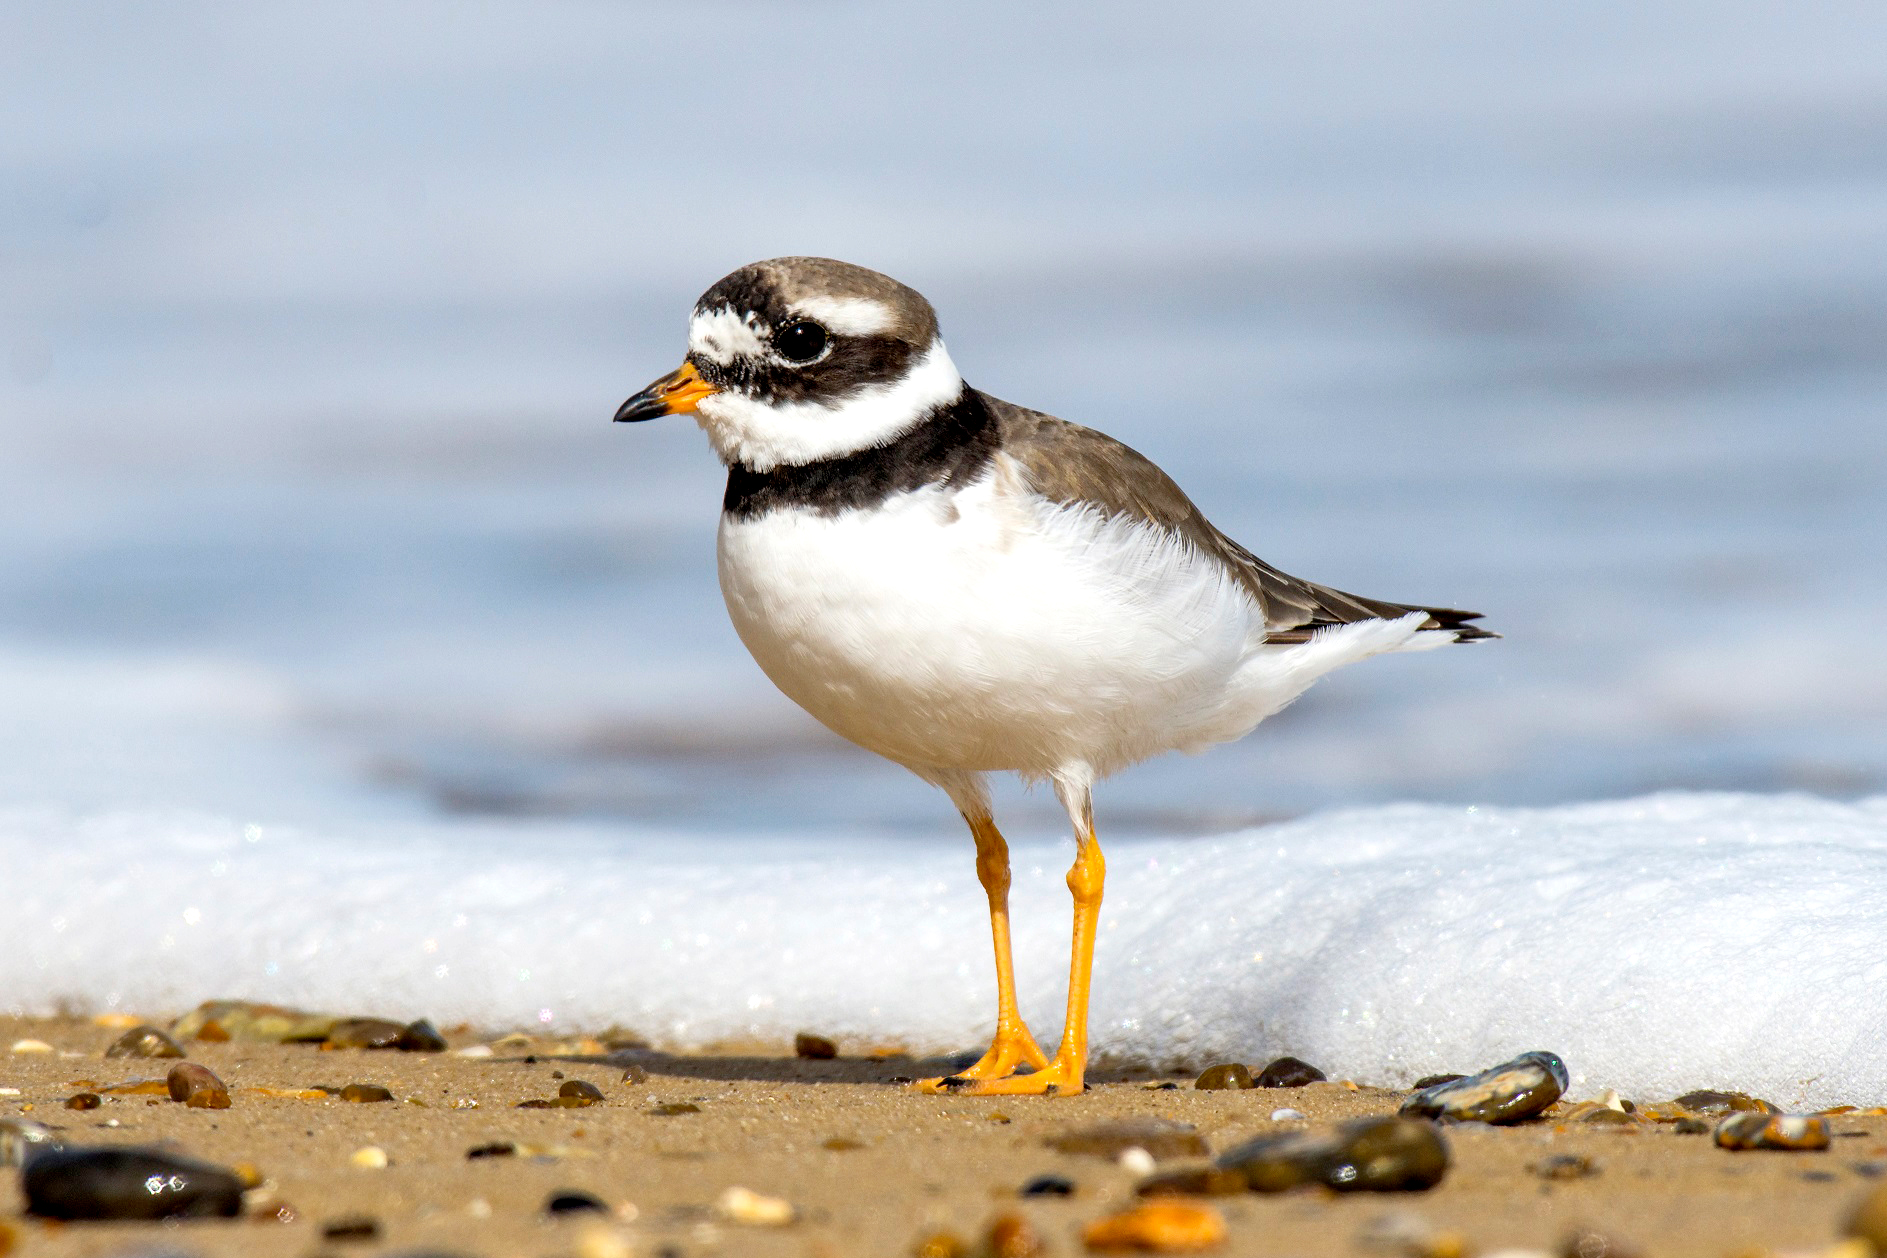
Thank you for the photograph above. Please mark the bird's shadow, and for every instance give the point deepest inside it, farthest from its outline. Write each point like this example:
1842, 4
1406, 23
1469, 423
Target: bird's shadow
893, 1071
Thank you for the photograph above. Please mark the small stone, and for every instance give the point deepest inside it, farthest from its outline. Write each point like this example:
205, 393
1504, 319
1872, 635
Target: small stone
1869, 1220
127, 1182
496, 1149
1429, 1081
580, 1091
144, 1041
1162, 1138
352, 1227
1288, 1116
369, 1157
31, 1046
219, 1020
473, 1050
1508, 1093
1048, 1186
1164, 1227
743, 1205
1691, 1127
1196, 1181
1361, 1155
600, 1240
22, 1138
672, 1108
1011, 1236
420, 1037
574, 1201
365, 1093
1136, 1161
84, 1100
814, 1047
1750, 1130
1565, 1166
1708, 1101
842, 1144
196, 1086
634, 1074
365, 1033
1224, 1077
940, 1245
1289, 1072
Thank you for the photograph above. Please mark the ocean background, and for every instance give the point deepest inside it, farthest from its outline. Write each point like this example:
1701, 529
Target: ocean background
313, 525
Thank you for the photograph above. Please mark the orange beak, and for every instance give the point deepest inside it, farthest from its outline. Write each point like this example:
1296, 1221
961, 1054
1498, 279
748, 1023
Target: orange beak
676, 393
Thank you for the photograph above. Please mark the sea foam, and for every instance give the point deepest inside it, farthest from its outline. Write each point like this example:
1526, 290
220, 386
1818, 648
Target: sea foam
1658, 944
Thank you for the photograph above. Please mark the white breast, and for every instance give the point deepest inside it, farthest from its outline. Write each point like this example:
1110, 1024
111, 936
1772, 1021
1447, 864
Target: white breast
988, 628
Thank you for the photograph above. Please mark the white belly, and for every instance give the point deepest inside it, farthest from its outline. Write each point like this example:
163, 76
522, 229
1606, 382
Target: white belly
991, 629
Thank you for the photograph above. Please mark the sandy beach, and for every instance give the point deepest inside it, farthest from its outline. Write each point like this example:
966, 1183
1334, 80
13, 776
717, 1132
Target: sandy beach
867, 1166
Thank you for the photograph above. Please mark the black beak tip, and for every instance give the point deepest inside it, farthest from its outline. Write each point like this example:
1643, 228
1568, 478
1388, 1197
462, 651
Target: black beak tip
640, 407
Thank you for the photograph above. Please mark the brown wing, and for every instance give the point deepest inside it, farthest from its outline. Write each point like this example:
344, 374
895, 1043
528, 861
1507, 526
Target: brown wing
1067, 463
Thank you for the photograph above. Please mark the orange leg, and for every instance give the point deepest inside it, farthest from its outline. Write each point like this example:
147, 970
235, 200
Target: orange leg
1066, 1075
1013, 1044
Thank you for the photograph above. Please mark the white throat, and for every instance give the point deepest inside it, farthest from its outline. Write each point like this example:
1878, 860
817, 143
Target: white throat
764, 436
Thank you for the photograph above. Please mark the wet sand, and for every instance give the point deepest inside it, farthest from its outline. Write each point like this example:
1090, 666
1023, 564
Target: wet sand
904, 1166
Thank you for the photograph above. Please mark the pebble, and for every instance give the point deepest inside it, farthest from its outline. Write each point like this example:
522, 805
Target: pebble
1565, 1166
22, 1138
496, 1149
365, 1093
1869, 1220
364, 1033
574, 1201
599, 1240
1361, 1155
1048, 1186
1162, 1227
31, 1046
369, 1157
841, 1144
1224, 1077
1012, 1236
814, 1047
420, 1037
196, 1086
1708, 1101
127, 1183
144, 1041
1511, 1092
580, 1091
634, 1074
1136, 1161
1691, 1127
1290, 1072
1772, 1131
352, 1227
743, 1205
1160, 1137
1288, 1115
220, 1020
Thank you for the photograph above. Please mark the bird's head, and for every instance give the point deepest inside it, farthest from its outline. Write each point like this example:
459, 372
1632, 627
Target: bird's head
793, 360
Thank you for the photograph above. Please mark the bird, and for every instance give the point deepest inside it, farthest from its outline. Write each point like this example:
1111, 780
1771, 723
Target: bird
969, 587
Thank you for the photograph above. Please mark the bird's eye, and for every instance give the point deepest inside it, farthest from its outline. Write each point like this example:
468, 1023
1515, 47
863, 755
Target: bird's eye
800, 341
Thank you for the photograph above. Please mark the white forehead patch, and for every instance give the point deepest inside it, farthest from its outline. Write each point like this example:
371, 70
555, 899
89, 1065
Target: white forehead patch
721, 335
847, 316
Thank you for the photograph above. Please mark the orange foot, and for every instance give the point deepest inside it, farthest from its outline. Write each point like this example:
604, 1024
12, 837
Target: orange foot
1058, 1078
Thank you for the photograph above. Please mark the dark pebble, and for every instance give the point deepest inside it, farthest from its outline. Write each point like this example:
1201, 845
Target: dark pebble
365, 1093
127, 1183
1429, 1081
420, 1037
1565, 1166
144, 1041
814, 1047
581, 1090
352, 1227
1049, 1186
634, 1074
572, 1201
1709, 1101
1511, 1092
496, 1149
1289, 1072
675, 1107
1361, 1155
83, 1100
1691, 1127
196, 1086
1749, 1130
1158, 1136
365, 1033
1223, 1077
1166, 1085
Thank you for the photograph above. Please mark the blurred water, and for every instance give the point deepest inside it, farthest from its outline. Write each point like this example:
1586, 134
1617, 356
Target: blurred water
313, 320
